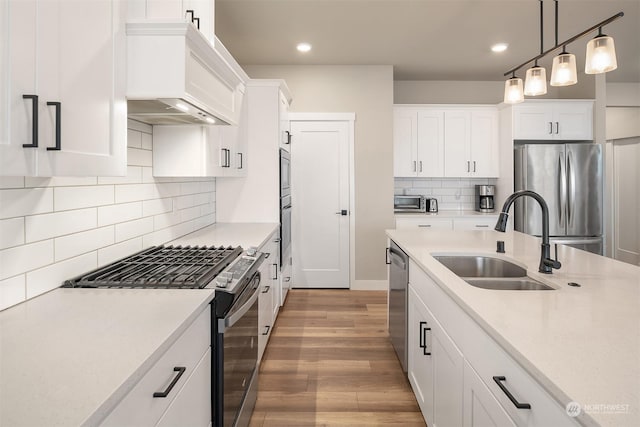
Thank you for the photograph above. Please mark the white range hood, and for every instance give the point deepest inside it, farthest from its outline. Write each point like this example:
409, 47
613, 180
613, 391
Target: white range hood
176, 76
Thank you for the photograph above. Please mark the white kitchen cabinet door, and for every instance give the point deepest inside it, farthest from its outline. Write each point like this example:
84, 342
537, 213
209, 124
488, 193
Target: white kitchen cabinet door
560, 120
285, 123
457, 156
431, 134
265, 307
479, 223
203, 11
405, 142
78, 65
424, 221
448, 371
484, 145
420, 367
481, 408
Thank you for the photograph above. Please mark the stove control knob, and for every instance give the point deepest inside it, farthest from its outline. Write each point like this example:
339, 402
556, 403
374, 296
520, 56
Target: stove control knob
252, 251
223, 279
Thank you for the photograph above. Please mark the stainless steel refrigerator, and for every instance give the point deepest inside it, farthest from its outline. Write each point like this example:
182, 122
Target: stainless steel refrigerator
569, 177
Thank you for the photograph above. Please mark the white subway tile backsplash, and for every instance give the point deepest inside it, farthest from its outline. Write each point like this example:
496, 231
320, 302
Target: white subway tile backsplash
139, 157
131, 229
11, 182
12, 291
80, 243
11, 232
47, 226
113, 214
21, 202
157, 206
134, 176
66, 198
52, 276
59, 181
56, 228
451, 193
119, 250
20, 259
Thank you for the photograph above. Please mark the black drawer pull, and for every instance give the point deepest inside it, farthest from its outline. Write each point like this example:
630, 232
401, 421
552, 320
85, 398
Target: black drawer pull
180, 370
266, 289
275, 269
34, 120
498, 380
58, 107
423, 338
267, 255
266, 330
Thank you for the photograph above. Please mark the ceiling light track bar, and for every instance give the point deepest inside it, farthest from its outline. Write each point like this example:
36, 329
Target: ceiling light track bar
566, 42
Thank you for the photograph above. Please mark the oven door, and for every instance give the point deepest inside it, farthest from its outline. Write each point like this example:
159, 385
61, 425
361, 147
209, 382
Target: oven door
238, 337
285, 173
285, 234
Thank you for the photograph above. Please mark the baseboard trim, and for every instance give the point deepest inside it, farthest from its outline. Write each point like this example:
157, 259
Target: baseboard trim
370, 285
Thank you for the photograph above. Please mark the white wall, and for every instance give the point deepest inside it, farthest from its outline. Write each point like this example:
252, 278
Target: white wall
52, 229
367, 91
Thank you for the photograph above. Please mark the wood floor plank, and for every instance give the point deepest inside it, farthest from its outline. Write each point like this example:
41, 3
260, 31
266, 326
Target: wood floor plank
329, 362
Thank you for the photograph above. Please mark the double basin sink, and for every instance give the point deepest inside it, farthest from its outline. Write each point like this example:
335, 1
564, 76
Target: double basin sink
491, 273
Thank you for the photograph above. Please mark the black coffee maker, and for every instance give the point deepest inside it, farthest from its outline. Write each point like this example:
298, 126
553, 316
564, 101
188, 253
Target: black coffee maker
484, 198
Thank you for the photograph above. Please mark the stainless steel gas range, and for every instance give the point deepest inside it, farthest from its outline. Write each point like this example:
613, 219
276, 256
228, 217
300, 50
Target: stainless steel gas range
233, 273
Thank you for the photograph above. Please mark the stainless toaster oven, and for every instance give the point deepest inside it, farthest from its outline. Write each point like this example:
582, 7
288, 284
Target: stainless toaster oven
409, 204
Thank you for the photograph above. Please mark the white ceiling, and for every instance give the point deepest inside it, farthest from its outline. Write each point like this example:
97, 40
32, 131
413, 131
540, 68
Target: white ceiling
422, 39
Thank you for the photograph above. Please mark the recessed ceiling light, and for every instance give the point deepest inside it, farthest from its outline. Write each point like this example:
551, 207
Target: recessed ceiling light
303, 47
499, 47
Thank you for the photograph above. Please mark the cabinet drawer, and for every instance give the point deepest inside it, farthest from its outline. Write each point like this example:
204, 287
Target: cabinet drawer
425, 222
139, 407
490, 360
481, 223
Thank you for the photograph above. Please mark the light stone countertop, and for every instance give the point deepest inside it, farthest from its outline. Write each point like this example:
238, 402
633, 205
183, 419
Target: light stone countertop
581, 344
69, 356
446, 214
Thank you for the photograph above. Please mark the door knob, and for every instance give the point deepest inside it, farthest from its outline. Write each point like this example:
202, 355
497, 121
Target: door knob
343, 212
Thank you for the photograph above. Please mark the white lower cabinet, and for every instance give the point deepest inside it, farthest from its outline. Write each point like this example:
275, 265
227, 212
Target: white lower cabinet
424, 222
269, 298
176, 375
435, 367
480, 407
468, 379
480, 223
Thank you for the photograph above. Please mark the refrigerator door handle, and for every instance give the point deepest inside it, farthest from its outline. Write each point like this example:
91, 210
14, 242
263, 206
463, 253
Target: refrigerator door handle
562, 189
571, 177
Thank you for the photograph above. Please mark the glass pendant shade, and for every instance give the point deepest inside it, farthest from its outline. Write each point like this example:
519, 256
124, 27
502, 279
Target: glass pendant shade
513, 91
601, 55
535, 82
564, 71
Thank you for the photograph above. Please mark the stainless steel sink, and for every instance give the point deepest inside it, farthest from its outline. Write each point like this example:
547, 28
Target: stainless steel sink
480, 266
491, 273
508, 284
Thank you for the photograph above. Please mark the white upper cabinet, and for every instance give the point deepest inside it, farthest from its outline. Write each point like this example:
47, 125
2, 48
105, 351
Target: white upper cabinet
418, 140
200, 12
554, 120
64, 109
446, 141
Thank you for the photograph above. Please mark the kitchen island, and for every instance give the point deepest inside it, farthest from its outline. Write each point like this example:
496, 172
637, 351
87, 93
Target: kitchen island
70, 356
580, 344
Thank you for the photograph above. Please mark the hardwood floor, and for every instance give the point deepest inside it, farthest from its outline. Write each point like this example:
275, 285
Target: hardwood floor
329, 362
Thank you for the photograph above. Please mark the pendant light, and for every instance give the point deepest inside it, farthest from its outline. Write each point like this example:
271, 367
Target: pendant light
536, 78
601, 55
513, 93
563, 71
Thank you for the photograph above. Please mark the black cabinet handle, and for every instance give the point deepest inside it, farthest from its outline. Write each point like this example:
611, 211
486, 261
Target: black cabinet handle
197, 22
266, 330
387, 260
180, 370
276, 270
267, 255
423, 338
240, 156
58, 107
193, 18
498, 380
266, 289
34, 120
288, 140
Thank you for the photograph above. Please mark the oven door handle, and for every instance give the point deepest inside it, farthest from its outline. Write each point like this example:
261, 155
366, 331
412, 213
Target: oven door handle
229, 321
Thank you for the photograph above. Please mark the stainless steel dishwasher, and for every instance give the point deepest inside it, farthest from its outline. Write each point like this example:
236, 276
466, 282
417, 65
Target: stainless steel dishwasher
398, 284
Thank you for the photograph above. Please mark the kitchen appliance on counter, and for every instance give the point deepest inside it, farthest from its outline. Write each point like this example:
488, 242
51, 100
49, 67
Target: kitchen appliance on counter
432, 205
569, 178
409, 204
233, 273
398, 305
485, 198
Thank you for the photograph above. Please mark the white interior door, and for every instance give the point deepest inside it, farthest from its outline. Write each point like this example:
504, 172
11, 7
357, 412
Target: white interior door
320, 204
627, 200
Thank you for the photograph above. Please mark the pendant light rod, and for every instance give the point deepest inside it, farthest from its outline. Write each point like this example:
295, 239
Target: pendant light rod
541, 27
572, 39
556, 4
